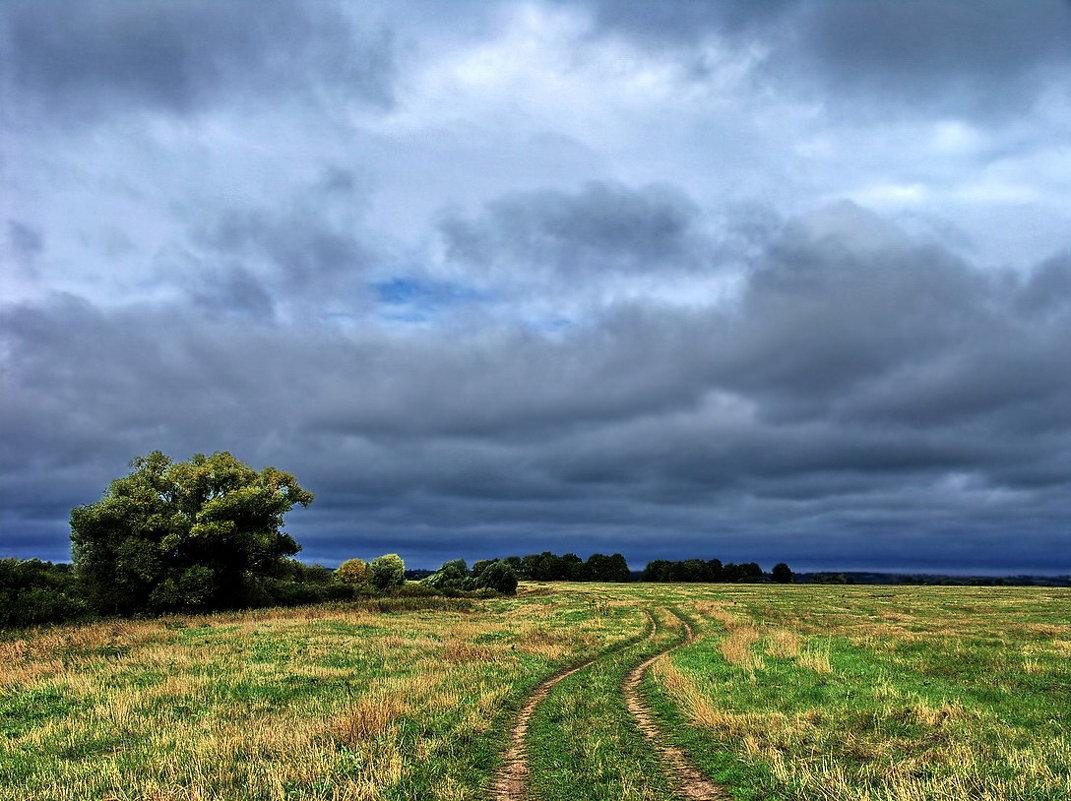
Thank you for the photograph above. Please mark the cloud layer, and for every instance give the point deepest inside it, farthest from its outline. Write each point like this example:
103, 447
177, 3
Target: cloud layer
728, 281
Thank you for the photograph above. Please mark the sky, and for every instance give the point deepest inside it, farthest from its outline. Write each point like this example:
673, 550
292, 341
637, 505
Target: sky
779, 281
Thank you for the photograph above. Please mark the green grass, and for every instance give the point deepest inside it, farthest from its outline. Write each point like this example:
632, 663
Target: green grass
921, 695
583, 743
809, 693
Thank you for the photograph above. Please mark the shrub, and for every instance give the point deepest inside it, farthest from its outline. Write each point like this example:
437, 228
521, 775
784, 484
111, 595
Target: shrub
387, 571
33, 592
354, 571
498, 576
453, 575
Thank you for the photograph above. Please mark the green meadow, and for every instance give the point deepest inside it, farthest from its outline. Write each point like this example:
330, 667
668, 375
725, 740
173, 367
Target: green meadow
769, 691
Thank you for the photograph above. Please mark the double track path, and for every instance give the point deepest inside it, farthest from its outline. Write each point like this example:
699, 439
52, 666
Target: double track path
512, 781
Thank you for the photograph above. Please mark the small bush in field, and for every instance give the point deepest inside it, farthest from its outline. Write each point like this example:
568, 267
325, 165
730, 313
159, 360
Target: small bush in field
354, 571
387, 571
498, 576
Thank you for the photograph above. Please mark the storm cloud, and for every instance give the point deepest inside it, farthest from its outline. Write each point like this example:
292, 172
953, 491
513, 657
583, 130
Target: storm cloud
702, 325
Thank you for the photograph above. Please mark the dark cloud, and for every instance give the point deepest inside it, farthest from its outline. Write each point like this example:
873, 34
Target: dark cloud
308, 247
22, 246
82, 60
501, 276
967, 57
603, 227
862, 383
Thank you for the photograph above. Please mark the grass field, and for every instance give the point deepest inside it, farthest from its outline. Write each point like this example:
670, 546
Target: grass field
787, 692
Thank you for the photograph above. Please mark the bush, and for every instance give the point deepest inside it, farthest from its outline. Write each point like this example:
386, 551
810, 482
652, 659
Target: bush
453, 575
354, 571
387, 571
498, 576
33, 592
186, 536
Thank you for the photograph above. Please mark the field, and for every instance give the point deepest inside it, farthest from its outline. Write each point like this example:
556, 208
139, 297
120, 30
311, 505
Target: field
749, 692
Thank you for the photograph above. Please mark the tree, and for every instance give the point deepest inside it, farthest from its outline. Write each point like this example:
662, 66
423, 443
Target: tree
452, 575
194, 535
353, 571
714, 570
608, 568
387, 571
498, 576
781, 573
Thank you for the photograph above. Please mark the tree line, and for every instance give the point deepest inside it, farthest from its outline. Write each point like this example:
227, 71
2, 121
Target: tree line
712, 570
207, 535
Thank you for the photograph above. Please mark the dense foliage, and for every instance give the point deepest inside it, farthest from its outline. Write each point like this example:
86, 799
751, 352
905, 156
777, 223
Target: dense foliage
354, 571
387, 571
781, 573
486, 574
548, 566
34, 592
199, 535
698, 570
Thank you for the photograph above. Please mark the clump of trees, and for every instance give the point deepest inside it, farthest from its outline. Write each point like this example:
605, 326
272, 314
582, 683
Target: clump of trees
697, 570
33, 592
195, 536
781, 573
548, 566
486, 574
387, 571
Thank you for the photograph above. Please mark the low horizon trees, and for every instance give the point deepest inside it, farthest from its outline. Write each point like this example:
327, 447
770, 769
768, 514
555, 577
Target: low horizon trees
696, 570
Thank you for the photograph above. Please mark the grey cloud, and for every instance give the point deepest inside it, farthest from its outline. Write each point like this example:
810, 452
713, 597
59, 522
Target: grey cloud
81, 60
24, 242
23, 245
603, 227
967, 57
809, 407
308, 246
987, 53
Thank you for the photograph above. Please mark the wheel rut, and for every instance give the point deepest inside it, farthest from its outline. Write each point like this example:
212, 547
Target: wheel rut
511, 781
692, 784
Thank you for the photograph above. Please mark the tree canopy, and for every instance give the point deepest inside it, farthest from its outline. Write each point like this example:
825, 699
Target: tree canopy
387, 571
193, 535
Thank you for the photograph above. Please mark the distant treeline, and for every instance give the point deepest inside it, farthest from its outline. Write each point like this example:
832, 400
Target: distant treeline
711, 570
549, 566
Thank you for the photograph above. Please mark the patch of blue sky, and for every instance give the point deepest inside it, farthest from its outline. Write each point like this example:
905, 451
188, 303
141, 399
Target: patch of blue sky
415, 300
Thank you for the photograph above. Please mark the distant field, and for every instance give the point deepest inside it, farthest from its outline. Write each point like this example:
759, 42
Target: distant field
770, 692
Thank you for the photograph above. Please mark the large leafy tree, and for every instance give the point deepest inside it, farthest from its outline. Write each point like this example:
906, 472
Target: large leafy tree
193, 535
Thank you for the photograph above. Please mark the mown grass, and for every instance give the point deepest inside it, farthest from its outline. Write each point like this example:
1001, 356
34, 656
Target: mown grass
816, 693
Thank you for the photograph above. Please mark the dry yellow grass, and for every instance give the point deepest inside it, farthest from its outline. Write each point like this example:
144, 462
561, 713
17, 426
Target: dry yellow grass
322, 703
913, 694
